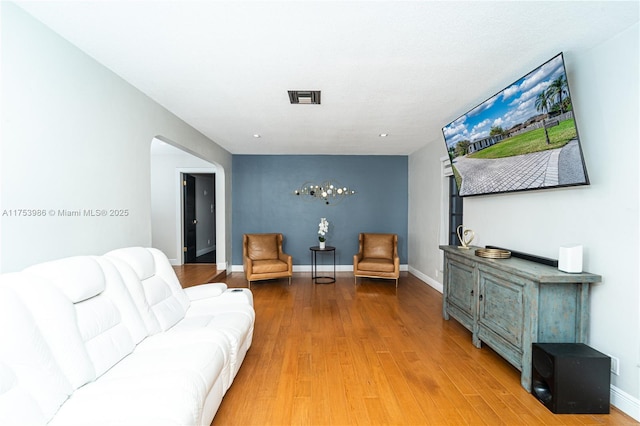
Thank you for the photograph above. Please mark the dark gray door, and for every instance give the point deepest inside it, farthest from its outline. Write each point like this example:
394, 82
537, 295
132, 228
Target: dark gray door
189, 214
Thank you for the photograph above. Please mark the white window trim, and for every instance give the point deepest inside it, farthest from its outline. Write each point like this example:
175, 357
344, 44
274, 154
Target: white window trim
446, 171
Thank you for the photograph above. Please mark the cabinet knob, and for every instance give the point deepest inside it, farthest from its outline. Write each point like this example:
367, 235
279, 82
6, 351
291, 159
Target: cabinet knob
480, 298
472, 292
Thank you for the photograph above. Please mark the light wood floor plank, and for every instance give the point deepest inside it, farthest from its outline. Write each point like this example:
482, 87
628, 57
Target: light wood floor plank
368, 354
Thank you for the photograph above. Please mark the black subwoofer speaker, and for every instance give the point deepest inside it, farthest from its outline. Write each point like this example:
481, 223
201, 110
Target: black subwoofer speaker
570, 378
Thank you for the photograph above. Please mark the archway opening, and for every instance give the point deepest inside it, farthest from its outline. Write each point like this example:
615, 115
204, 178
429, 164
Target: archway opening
170, 163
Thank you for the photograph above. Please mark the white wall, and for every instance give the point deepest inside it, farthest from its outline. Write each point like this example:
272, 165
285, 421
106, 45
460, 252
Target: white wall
425, 192
604, 216
76, 136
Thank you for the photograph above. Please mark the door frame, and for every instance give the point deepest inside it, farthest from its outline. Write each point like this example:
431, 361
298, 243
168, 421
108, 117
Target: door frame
220, 211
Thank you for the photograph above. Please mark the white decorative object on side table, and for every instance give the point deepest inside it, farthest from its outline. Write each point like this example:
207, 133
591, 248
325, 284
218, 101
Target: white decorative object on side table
323, 230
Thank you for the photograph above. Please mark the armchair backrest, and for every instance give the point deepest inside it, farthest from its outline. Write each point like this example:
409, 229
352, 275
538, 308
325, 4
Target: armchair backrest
382, 246
262, 246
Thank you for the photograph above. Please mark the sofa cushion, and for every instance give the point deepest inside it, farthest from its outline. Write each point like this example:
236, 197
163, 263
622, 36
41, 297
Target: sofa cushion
262, 247
166, 385
378, 246
32, 384
55, 317
96, 313
17, 405
79, 278
376, 264
139, 259
267, 266
234, 321
117, 291
158, 295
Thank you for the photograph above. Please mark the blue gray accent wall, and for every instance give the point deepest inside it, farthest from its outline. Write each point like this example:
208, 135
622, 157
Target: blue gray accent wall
263, 200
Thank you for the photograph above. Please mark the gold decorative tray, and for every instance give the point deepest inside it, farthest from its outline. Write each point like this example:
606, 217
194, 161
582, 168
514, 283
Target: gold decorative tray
493, 253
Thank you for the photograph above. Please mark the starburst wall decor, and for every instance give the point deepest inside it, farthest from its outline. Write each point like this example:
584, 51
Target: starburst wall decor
330, 192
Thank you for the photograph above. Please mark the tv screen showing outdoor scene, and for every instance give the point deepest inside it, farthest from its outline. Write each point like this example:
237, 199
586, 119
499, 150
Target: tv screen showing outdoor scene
523, 138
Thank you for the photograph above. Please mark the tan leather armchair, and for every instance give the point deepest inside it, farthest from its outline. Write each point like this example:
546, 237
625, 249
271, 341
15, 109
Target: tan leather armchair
377, 257
263, 259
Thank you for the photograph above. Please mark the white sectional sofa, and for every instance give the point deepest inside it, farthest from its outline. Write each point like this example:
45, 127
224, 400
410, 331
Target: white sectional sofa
115, 340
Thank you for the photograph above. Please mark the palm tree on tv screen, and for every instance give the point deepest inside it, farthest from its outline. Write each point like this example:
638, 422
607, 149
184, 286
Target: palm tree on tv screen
557, 88
542, 101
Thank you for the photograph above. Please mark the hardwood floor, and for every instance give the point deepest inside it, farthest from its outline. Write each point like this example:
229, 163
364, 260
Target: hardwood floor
200, 273
340, 354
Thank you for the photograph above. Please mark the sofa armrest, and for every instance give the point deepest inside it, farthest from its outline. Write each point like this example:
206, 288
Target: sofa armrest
247, 264
356, 259
223, 303
286, 258
204, 291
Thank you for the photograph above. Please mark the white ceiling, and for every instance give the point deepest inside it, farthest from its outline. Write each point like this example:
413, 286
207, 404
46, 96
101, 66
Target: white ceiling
402, 68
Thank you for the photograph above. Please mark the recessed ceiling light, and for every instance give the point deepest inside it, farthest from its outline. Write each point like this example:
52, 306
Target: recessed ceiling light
256, 136
384, 135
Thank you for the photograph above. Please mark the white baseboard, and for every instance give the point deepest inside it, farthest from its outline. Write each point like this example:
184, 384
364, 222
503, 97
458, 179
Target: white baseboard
625, 402
324, 268
221, 266
427, 279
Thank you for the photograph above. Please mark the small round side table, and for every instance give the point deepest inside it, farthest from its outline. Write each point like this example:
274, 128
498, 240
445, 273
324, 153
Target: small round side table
314, 264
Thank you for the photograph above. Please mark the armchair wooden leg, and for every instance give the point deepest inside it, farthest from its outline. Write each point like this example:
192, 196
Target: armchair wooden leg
289, 280
396, 282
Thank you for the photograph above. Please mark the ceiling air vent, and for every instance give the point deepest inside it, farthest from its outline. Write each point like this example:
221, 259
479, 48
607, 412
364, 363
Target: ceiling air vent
310, 97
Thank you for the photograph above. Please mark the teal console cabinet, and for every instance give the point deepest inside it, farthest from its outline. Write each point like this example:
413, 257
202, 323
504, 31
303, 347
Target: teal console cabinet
509, 304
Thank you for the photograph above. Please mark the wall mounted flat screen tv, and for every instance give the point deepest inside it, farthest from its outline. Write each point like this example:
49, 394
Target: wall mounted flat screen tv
522, 138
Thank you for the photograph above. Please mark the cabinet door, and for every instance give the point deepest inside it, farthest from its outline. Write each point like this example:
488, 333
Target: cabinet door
501, 312
460, 294
461, 291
